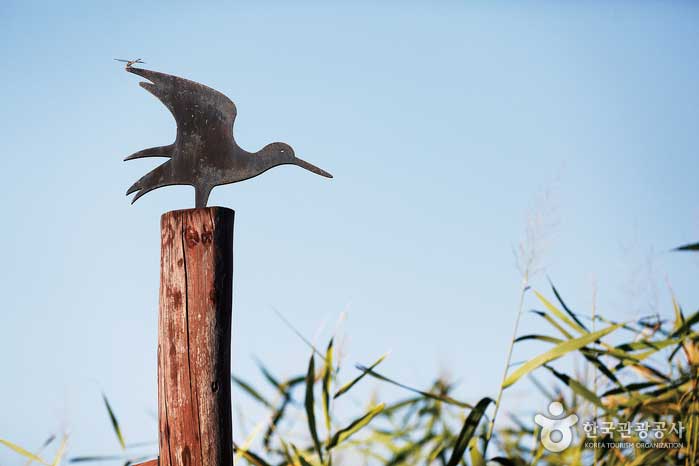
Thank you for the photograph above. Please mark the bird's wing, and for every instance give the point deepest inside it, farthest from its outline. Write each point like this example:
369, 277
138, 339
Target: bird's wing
188, 101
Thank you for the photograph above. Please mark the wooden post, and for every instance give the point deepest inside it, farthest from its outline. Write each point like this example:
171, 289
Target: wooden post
194, 338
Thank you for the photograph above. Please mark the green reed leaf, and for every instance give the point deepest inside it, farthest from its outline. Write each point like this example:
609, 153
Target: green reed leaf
556, 352
22, 451
467, 431
310, 406
688, 247
251, 391
327, 376
115, 423
345, 388
558, 313
434, 396
345, 433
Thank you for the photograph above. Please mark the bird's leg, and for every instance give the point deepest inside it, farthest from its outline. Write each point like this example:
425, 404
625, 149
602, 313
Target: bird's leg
201, 196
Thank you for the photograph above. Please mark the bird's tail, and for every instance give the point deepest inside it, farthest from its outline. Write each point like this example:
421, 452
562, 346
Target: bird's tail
156, 178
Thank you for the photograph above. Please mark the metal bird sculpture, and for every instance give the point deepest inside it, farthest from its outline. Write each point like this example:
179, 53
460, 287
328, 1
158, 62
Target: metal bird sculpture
204, 154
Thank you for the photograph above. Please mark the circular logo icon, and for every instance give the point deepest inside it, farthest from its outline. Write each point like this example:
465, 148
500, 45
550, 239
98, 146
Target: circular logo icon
561, 428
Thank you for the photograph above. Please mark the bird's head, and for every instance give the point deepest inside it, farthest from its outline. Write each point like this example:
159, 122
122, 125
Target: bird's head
282, 153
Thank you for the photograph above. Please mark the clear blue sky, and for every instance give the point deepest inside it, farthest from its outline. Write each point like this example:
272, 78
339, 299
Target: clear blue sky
442, 125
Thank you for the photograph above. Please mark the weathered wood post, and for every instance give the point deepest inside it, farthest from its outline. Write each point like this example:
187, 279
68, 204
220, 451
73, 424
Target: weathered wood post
196, 268
194, 337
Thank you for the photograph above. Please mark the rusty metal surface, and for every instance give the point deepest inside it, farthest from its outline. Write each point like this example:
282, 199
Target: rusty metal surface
204, 154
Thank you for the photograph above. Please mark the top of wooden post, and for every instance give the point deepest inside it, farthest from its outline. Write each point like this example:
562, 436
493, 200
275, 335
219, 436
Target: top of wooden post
212, 209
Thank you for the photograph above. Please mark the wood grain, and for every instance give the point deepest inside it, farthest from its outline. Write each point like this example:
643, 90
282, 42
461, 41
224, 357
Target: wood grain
194, 337
148, 463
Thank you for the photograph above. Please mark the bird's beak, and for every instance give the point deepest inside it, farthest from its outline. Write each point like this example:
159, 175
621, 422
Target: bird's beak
311, 167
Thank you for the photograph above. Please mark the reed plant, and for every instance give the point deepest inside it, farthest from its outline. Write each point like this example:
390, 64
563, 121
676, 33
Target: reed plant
646, 370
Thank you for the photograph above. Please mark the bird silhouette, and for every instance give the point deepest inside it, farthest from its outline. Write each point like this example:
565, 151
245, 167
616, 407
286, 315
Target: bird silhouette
204, 154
